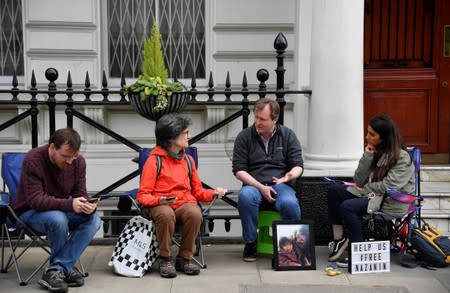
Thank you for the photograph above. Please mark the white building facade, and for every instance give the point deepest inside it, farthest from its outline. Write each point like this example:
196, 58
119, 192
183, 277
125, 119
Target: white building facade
324, 54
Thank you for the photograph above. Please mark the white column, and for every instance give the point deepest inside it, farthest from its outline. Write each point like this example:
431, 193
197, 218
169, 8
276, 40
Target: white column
303, 67
335, 130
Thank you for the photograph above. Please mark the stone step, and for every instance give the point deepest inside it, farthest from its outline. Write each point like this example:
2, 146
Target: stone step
440, 173
436, 195
435, 203
441, 214
435, 187
439, 219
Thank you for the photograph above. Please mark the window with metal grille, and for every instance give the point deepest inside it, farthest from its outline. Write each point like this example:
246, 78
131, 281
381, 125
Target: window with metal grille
398, 33
11, 38
182, 26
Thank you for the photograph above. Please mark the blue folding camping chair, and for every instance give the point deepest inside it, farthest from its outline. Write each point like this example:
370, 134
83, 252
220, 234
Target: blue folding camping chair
143, 155
398, 226
401, 225
13, 229
11, 223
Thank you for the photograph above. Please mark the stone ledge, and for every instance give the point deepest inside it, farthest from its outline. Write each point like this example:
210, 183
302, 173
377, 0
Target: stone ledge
441, 214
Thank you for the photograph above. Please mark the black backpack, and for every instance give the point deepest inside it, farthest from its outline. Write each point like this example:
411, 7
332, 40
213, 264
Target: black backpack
430, 247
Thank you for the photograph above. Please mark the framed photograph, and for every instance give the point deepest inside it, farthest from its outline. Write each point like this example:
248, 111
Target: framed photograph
293, 245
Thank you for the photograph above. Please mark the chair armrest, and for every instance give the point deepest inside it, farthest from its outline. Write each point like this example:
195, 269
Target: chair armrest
335, 181
401, 197
4, 199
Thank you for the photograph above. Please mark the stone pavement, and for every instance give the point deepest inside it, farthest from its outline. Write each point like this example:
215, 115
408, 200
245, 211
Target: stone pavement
227, 273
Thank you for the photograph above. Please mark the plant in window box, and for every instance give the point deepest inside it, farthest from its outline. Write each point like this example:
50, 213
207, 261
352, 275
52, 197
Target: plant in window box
153, 95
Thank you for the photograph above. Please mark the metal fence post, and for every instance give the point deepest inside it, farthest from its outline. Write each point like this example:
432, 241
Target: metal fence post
280, 44
51, 74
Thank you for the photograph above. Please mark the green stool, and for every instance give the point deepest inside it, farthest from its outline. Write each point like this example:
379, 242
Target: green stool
264, 243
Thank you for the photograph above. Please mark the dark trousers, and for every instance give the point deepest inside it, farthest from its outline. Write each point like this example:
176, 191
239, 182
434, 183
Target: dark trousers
344, 208
189, 215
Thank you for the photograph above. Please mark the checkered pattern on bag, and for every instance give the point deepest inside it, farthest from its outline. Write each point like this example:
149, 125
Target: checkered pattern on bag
136, 226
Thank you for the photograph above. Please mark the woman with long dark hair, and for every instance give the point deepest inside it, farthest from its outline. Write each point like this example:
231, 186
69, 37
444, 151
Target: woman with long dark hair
385, 164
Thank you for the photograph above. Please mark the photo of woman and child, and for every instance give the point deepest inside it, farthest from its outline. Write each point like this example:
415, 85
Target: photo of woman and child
294, 246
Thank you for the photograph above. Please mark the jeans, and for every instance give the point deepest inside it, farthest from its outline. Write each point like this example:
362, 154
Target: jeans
346, 208
68, 234
250, 200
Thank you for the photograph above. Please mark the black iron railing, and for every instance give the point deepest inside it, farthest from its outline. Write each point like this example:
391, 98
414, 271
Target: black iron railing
115, 97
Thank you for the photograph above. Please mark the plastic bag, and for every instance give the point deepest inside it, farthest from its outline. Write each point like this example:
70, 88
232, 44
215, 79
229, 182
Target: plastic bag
136, 249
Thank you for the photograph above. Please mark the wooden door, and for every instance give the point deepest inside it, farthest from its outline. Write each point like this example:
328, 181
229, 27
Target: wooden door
443, 52
404, 67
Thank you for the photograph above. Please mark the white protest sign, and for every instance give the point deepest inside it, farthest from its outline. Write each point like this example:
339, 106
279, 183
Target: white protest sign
370, 257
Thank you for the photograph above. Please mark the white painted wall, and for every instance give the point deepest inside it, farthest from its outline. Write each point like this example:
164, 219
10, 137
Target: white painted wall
70, 36
65, 35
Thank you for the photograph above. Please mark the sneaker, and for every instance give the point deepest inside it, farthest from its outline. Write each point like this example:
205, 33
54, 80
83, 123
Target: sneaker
166, 268
53, 280
250, 252
75, 278
337, 247
188, 266
342, 263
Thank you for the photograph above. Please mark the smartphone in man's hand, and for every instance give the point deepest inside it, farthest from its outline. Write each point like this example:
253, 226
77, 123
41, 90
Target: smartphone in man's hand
273, 194
93, 199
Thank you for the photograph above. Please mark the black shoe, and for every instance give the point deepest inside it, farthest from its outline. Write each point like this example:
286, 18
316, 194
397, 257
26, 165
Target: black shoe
187, 266
75, 278
53, 280
337, 247
342, 263
250, 252
166, 268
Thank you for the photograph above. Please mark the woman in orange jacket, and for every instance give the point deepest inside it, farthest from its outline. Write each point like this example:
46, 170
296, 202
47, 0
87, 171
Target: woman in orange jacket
171, 193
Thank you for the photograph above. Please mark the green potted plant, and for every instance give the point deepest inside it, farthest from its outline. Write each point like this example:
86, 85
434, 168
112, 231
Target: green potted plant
153, 95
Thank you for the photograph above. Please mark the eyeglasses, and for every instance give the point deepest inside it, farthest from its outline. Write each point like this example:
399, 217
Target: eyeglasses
185, 132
